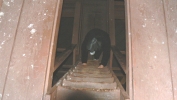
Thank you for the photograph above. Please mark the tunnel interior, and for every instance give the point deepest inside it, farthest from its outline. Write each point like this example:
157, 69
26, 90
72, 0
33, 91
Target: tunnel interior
90, 19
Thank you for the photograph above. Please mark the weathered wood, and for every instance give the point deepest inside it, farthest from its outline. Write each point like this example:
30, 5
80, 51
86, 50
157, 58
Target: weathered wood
28, 64
170, 10
54, 95
123, 93
129, 77
9, 22
111, 59
51, 94
120, 58
76, 23
74, 56
150, 54
59, 60
111, 22
53, 46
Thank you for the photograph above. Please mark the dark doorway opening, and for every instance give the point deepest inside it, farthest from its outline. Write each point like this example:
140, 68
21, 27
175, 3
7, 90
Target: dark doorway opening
92, 16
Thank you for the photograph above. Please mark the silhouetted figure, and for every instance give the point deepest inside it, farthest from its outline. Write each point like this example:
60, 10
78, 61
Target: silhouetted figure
96, 41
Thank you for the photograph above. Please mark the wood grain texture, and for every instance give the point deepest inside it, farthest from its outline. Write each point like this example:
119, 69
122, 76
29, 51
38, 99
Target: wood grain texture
150, 57
111, 21
9, 20
28, 63
170, 10
76, 23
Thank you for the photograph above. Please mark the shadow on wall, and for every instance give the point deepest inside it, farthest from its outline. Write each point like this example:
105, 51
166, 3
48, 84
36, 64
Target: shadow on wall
80, 95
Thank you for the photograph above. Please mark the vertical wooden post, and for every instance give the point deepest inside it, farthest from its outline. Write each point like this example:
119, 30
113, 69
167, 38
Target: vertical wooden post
76, 22
129, 87
53, 46
111, 22
74, 55
76, 29
111, 27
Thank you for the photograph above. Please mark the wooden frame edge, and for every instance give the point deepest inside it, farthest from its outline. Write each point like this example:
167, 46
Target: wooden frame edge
52, 51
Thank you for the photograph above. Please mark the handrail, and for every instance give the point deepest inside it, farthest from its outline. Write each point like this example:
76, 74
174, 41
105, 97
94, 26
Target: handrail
60, 59
120, 58
123, 93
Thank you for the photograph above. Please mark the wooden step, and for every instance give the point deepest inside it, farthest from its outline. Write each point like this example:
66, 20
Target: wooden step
90, 74
90, 85
90, 79
64, 93
92, 71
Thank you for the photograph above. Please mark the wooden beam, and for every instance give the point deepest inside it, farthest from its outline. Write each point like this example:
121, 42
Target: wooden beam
53, 46
124, 95
129, 67
111, 59
59, 60
121, 58
111, 22
76, 28
76, 22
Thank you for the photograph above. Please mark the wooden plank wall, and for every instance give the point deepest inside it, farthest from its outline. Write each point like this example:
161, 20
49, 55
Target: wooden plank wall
153, 38
27, 27
170, 10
